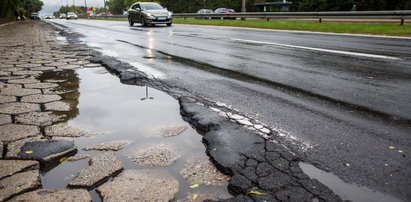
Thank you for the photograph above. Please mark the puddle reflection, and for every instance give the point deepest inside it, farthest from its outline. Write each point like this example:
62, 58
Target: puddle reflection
118, 112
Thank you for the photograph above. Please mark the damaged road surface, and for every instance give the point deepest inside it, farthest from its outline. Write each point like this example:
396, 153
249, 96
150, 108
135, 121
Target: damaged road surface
338, 102
263, 107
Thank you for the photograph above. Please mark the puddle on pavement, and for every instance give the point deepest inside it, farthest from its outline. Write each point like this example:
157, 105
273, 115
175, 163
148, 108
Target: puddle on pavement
115, 111
349, 192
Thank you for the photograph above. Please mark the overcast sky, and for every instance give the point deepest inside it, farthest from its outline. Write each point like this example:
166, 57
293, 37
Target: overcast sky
51, 6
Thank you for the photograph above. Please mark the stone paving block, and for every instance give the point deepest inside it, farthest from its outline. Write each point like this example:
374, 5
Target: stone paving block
41, 85
43, 150
9, 78
140, 185
3, 73
56, 64
114, 145
38, 118
171, 131
50, 195
19, 91
102, 166
28, 65
10, 85
7, 98
43, 68
57, 106
1, 149
24, 81
19, 183
203, 172
68, 67
63, 130
5, 119
162, 154
13, 132
40, 98
11, 167
18, 108
78, 157
28, 72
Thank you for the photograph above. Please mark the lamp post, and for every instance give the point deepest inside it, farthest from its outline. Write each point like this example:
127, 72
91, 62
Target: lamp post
243, 9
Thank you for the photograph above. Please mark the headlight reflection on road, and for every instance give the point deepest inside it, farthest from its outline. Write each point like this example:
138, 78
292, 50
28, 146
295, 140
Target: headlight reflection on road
150, 45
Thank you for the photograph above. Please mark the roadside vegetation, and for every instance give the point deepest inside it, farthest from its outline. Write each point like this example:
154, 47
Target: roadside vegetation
393, 29
390, 29
10, 9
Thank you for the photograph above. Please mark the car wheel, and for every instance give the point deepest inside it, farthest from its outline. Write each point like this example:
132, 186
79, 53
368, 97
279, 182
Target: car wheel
143, 21
130, 22
169, 24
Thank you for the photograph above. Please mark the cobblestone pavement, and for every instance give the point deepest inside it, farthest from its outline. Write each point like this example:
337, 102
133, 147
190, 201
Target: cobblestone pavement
30, 108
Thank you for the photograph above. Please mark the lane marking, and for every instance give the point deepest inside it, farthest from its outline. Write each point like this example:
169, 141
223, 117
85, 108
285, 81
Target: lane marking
319, 49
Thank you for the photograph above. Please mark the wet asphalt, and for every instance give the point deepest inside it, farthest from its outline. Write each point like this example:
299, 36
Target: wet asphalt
342, 101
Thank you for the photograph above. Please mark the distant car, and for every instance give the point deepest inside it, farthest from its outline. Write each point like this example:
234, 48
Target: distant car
63, 16
149, 13
224, 10
34, 16
48, 17
204, 11
72, 15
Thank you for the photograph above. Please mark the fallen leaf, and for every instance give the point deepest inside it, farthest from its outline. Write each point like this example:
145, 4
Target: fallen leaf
195, 197
256, 193
391, 147
28, 152
194, 186
63, 159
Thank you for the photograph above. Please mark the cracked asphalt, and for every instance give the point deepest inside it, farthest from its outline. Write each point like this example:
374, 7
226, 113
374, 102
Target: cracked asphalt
244, 143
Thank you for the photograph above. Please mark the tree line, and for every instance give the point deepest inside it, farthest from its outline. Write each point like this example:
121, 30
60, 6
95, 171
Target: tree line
184, 6
8, 8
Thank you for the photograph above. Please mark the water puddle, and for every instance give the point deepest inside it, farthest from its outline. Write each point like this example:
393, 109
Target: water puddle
349, 192
115, 111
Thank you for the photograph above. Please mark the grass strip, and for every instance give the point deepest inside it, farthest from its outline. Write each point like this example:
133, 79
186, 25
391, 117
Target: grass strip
374, 28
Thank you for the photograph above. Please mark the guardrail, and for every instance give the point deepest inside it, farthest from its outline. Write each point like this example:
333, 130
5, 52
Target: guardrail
400, 15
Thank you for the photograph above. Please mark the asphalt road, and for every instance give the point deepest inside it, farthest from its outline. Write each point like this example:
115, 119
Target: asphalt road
344, 101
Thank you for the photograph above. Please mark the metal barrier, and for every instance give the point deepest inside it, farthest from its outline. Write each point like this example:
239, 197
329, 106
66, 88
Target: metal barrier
400, 15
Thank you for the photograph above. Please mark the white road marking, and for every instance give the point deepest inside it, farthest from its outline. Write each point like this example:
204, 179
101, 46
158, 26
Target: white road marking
320, 49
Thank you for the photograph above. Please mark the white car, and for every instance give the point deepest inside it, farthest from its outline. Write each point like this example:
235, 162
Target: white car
72, 15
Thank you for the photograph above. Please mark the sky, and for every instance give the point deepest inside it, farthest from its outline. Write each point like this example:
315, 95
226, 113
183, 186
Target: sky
51, 6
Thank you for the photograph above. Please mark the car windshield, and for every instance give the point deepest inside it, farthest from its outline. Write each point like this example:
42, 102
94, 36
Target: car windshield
70, 13
151, 6
62, 14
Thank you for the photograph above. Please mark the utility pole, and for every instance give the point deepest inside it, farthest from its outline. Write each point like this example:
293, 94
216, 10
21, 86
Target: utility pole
73, 3
67, 3
243, 9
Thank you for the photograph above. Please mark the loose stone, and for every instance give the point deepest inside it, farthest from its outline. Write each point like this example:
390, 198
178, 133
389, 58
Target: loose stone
18, 108
154, 155
140, 185
101, 167
41, 85
43, 150
24, 73
114, 145
57, 106
203, 172
24, 81
78, 157
172, 131
245, 122
11, 167
6, 99
63, 130
48, 195
38, 118
236, 117
13, 132
5, 119
19, 183
19, 91
40, 98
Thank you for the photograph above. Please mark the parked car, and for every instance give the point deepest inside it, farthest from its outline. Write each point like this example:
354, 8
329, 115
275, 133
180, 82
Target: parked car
63, 16
224, 10
204, 11
48, 17
34, 16
149, 13
72, 15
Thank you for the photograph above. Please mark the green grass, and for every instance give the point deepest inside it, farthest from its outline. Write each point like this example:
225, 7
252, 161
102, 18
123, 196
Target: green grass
391, 29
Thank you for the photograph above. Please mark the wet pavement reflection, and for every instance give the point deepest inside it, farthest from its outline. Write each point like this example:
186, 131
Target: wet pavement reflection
112, 111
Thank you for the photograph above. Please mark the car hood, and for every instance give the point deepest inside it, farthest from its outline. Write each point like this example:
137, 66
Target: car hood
157, 12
